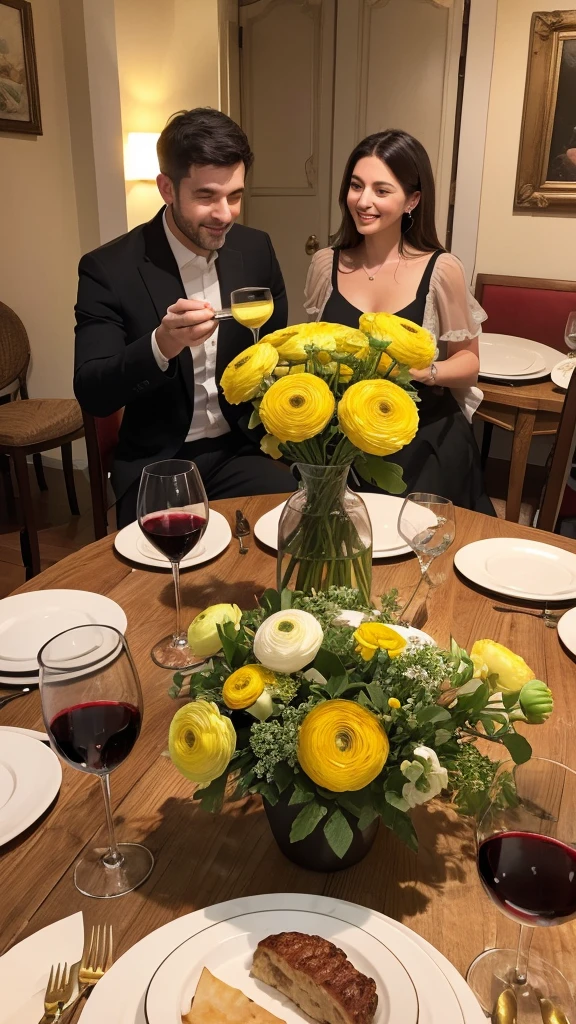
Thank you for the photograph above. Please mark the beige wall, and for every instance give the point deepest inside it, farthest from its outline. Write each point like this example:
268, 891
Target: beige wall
167, 61
39, 223
526, 244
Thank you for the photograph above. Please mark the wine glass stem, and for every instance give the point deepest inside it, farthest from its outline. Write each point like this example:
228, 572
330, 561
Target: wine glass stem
255, 334
522, 954
176, 575
113, 858
425, 564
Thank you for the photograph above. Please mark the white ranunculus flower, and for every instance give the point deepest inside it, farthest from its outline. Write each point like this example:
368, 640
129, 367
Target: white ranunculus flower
287, 641
433, 778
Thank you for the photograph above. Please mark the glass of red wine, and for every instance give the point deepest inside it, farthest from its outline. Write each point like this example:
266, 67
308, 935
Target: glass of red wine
173, 515
526, 838
92, 708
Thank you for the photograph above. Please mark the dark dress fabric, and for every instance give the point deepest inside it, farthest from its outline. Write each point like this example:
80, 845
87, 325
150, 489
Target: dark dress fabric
443, 458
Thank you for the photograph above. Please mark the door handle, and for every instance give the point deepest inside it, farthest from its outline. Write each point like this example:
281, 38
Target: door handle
312, 245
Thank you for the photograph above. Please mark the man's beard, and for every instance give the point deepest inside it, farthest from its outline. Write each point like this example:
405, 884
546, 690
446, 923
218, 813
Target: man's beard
198, 235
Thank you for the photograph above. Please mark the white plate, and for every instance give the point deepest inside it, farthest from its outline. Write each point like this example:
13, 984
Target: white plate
226, 949
507, 358
36, 617
353, 618
383, 510
544, 352
25, 968
444, 997
20, 681
567, 630
562, 372
131, 543
34, 734
519, 568
30, 777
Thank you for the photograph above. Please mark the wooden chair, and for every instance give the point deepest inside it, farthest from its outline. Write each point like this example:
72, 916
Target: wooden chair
560, 463
30, 426
101, 439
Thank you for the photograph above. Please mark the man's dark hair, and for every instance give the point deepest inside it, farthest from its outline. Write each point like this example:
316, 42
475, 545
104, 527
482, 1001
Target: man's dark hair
201, 136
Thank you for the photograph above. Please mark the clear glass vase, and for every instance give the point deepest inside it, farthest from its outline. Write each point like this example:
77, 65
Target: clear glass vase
325, 534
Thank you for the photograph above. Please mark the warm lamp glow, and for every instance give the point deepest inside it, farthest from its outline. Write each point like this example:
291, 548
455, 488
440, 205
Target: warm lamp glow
140, 160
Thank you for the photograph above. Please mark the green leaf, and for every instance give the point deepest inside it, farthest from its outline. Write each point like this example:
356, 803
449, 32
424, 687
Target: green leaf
367, 816
254, 420
509, 700
212, 797
328, 664
474, 702
270, 601
377, 696
432, 713
336, 685
401, 824
397, 801
338, 833
283, 775
442, 736
310, 815
386, 475
518, 747
301, 796
286, 599
268, 792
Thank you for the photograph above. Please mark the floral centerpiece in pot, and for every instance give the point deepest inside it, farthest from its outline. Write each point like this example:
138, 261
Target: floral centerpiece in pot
339, 722
330, 398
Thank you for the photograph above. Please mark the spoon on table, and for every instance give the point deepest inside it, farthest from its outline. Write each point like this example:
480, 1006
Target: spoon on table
14, 696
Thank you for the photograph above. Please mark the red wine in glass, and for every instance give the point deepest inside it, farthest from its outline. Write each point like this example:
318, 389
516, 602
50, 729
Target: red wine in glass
531, 877
175, 534
96, 735
173, 515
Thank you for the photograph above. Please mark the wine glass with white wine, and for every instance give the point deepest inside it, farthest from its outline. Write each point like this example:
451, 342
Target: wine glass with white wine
570, 334
252, 307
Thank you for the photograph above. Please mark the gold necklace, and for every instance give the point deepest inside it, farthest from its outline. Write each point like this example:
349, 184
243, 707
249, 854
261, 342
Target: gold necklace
372, 276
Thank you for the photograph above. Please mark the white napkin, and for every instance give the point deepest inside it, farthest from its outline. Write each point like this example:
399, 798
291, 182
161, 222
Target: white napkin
25, 969
33, 733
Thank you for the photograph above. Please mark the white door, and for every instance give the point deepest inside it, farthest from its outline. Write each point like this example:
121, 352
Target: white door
287, 70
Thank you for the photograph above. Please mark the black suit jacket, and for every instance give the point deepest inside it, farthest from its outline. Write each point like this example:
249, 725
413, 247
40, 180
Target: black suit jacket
124, 290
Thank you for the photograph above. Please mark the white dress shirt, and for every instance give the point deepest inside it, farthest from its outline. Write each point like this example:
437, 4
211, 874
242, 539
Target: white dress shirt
200, 281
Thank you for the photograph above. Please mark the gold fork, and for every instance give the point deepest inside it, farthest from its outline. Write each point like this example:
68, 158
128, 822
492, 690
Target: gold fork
58, 991
97, 957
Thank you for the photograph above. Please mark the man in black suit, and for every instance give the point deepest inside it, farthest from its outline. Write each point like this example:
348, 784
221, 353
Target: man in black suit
146, 337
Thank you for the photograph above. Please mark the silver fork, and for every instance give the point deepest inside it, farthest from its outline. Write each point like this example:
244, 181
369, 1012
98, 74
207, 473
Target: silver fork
242, 530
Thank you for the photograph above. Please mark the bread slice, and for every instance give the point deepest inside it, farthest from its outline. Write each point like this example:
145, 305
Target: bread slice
215, 1002
317, 976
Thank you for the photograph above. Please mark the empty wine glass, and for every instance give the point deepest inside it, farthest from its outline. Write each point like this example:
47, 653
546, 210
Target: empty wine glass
173, 515
426, 523
526, 843
252, 307
92, 709
570, 334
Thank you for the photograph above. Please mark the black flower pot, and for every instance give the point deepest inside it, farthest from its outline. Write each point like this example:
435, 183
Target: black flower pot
314, 852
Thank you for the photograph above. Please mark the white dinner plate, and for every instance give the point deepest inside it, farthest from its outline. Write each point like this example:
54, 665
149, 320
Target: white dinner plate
519, 568
508, 358
443, 995
549, 356
383, 510
28, 621
562, 372
18, 681
25, 968
226, 949
132, 544
567, 629
30, 777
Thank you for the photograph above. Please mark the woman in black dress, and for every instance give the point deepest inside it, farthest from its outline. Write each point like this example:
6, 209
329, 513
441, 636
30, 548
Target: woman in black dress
386, 257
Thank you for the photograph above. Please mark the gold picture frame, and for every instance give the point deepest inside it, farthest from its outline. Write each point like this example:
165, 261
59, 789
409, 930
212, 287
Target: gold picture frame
546, 178
19, 95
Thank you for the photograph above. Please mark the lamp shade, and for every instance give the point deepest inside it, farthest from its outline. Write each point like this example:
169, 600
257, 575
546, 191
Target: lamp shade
140, 160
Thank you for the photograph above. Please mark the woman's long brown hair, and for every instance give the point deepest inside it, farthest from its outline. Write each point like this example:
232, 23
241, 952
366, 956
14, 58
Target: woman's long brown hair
410, 164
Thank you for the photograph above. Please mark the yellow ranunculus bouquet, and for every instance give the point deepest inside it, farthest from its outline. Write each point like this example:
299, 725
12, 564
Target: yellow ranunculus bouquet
337, 719
330, 398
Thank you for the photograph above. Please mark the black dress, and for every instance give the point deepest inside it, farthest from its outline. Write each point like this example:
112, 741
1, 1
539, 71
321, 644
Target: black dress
443, 458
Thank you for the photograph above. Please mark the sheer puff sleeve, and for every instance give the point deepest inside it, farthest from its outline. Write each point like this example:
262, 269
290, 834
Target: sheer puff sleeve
318, 286
452, 313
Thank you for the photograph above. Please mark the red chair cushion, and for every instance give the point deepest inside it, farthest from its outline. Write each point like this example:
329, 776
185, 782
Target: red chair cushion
536, 313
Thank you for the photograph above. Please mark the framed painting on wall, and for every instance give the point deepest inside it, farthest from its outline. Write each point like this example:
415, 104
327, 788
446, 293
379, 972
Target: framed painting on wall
19, 97
546, 178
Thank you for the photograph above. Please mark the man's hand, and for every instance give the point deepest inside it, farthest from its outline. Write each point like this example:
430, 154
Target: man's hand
189, 322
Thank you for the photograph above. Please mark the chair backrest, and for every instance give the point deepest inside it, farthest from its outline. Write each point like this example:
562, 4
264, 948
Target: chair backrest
560, 462
101, 434
527, 307
14, 348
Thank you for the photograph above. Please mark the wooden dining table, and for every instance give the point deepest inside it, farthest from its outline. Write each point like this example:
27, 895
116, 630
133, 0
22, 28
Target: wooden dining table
203, 859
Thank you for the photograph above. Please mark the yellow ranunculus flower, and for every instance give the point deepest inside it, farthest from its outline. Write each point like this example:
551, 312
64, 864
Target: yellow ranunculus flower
376, 636
511, 669
244, 686
410, 344
378, 416
292, 342
394, 703
297, 407
203, 636
269, 445
342, 746
201, 741
243, 377
385, 364
278, 338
